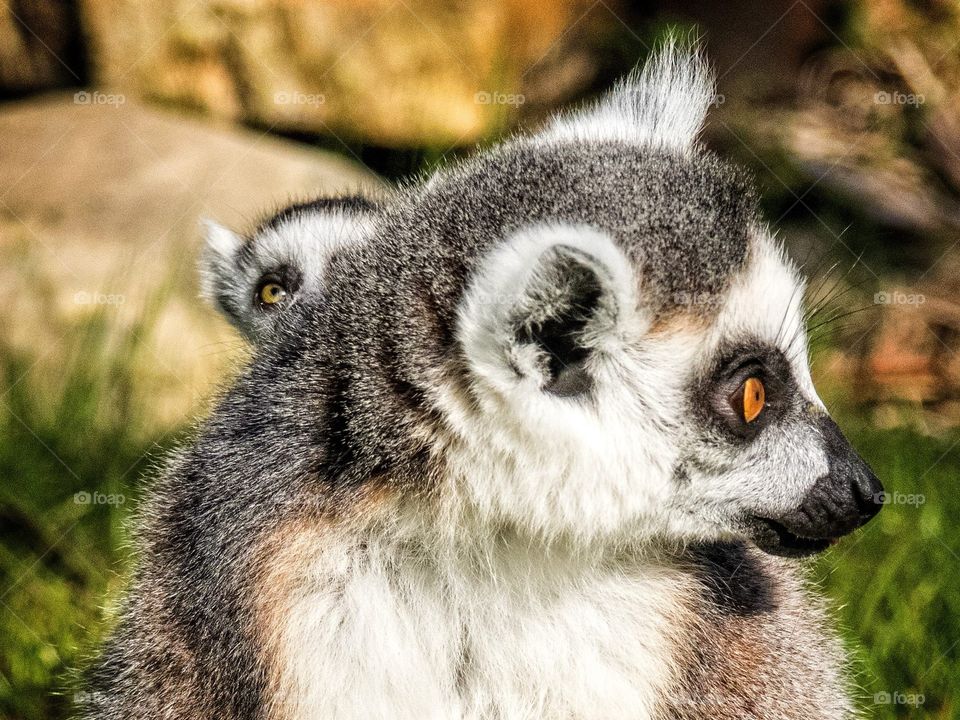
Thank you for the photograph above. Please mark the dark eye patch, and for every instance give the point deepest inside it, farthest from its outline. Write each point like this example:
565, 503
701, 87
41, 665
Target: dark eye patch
288, 278
714, 396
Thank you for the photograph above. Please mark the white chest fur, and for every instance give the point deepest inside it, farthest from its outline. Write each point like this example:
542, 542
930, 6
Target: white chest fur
375, 635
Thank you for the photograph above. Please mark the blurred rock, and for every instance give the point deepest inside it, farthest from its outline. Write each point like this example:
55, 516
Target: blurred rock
99, 213
424, 74
915, 355
40, 45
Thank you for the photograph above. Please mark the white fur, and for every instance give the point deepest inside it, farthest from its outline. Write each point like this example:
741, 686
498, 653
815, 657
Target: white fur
304, 241
520, 633
664, 105
602, 468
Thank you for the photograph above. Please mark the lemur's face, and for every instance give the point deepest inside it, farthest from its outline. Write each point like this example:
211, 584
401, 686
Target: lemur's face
760, 456
598, 412
634, 360
254, 280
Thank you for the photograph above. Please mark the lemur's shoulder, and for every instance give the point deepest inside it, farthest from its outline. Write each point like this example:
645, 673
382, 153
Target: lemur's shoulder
757, 628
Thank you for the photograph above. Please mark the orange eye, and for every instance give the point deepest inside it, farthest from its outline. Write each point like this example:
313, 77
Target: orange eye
754, 398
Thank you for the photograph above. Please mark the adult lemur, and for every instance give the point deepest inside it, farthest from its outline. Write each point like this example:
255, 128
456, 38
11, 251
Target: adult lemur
530, 453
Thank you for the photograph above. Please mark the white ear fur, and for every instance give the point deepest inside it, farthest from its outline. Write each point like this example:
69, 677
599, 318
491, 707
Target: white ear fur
517, 276
216, 257
663, 105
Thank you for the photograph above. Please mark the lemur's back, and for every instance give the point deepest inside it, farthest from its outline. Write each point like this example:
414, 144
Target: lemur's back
527, 455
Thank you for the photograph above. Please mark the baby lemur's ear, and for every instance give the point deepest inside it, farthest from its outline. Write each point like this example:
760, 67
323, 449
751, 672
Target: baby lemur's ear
217, 256
542, 306
218, 267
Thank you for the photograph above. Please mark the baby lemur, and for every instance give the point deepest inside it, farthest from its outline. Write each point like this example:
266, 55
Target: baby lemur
543, 445
253, 280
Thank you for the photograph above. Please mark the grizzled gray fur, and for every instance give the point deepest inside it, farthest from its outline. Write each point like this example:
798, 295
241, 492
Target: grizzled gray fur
511, 460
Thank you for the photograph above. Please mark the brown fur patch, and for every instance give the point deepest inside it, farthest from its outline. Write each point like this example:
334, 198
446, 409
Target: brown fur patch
286, 567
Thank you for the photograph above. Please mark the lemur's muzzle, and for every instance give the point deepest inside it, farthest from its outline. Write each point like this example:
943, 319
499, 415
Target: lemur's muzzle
838, 503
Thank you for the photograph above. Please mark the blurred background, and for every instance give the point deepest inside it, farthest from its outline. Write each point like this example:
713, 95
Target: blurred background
122, 123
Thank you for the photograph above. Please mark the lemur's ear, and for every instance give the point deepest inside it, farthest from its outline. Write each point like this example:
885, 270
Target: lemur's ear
217, 258
662, 105
542, 304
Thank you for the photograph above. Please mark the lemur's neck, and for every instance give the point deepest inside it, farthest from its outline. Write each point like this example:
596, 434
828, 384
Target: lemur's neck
481, 632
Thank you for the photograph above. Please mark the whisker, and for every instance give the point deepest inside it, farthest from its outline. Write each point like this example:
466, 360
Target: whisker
840, 316
835, 299
835, 284
816, 291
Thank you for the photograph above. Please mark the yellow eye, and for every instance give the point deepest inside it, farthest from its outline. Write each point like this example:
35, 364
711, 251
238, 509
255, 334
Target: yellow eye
754, 397
271, 293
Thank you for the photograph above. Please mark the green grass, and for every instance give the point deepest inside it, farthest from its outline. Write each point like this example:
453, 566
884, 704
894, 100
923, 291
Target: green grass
71, 455
898, 578
895, 582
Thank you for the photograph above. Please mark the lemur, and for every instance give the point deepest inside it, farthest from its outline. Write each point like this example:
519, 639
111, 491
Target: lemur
503, 468
253, 280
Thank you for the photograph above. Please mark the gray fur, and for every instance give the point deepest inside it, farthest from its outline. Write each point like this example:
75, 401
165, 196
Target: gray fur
346, 400
291, 248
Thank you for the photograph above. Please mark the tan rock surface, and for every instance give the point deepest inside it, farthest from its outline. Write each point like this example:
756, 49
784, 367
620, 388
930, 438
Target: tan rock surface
99, 213
387, 72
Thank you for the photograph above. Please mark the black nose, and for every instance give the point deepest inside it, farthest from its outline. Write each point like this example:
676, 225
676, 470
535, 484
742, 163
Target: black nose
843, 499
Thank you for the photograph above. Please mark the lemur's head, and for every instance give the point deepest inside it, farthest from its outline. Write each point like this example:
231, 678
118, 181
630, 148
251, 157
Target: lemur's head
253, 280
587, 333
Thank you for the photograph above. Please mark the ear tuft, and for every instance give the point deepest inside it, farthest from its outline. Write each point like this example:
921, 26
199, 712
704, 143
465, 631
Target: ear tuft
664, 105
216, 258
543, 304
